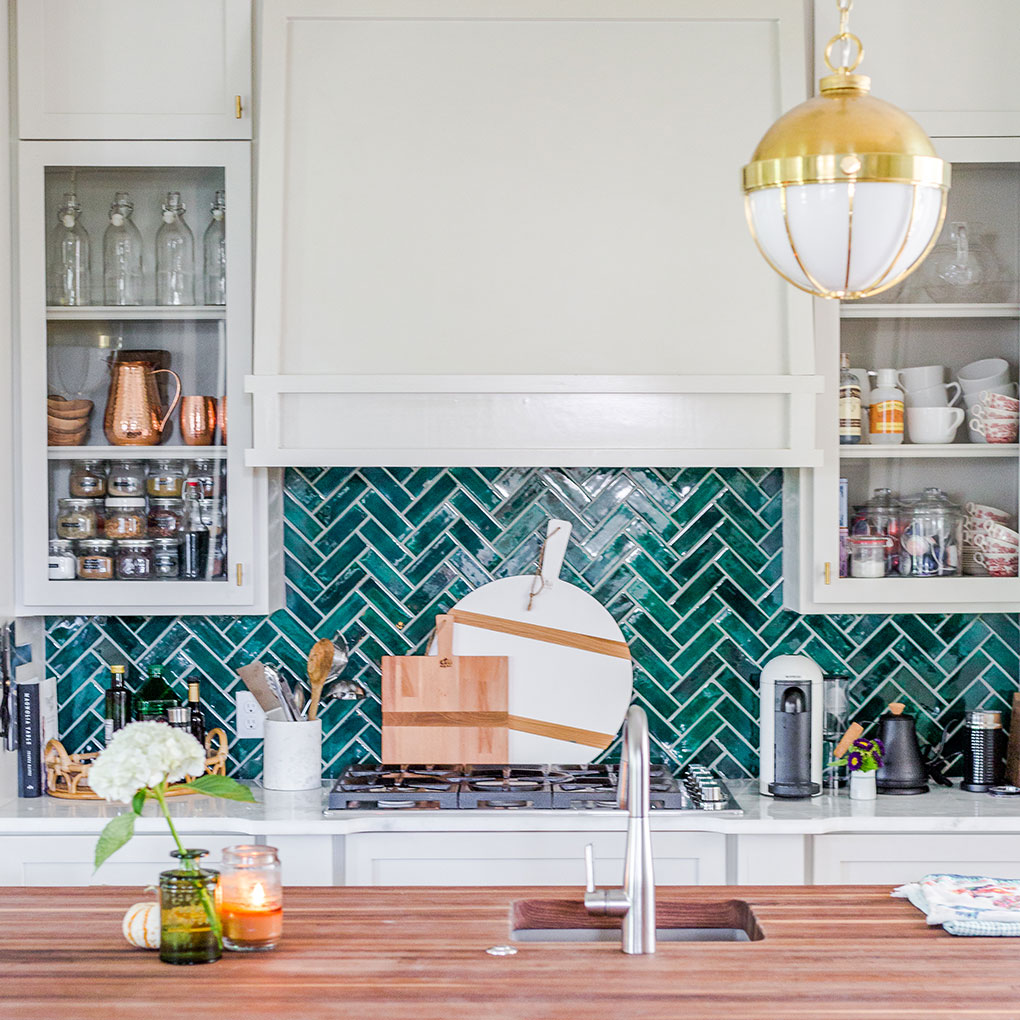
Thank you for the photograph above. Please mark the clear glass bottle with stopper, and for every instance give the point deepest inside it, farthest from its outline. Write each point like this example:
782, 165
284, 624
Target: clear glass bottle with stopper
175, 255
195, 540
214, 246
849, 403
69, 253
122, 255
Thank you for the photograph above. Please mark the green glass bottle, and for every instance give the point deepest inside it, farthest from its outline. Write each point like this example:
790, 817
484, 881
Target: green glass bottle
155, 697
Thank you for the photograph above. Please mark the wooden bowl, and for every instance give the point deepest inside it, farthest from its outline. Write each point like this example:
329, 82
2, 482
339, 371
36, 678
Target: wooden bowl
69, 438
66, 425
68, 410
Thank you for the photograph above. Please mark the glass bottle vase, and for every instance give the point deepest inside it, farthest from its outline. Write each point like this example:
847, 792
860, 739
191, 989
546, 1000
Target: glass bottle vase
214, 245
122, 255
175, 255
67, 273
186, 932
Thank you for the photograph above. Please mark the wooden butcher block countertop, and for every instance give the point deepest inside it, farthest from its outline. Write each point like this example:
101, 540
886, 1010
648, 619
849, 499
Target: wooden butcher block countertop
419, 954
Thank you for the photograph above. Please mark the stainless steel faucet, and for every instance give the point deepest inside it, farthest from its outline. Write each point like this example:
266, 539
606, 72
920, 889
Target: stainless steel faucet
636, 899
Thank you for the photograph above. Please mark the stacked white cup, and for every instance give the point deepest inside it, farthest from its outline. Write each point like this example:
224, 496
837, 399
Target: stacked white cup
992, 407
929, 399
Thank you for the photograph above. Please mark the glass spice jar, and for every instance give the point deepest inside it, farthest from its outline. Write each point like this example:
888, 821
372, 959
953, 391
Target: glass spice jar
75, 519
88, 479
61, 560
206, 476
251, 898
166, 479
98, 508
166, 558
126, 478
187, 894
95, 559
166, 517
134, 560
210, 513
126, 518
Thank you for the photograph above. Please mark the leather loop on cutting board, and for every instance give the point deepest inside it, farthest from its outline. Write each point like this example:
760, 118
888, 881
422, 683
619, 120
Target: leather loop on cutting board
589, 738
568, 638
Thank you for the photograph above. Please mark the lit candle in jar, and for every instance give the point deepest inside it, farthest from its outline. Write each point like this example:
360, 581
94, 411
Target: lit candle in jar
251, 898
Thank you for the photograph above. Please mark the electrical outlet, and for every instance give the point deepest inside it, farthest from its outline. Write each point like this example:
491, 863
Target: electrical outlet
251, 720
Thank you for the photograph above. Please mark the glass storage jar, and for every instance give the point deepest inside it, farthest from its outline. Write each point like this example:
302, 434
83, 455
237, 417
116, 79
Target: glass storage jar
166, 479
166, 517
61, 560
88, 479
126, 478
868, 555
251, 897
125, 517
932, 536
134, 560
187, 898
166, 558
95, 559
880, 517
206, 476
98, 508
75, 519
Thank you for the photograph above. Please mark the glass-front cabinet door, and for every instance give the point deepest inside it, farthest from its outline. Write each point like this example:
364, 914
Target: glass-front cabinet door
920, 514
135, 336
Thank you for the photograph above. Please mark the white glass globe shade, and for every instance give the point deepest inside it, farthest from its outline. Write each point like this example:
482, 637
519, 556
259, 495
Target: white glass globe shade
891, 231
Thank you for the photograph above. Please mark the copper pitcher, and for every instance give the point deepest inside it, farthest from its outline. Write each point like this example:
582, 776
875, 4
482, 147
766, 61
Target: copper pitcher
132, 407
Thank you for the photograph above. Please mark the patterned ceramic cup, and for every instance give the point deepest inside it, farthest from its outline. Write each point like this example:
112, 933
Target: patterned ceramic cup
998, 564
981, 511
996, 431
999, 401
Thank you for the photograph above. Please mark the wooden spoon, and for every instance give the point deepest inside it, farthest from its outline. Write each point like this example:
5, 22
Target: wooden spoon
320, 659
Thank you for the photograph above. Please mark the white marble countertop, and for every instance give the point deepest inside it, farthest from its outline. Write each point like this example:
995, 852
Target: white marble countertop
942, 810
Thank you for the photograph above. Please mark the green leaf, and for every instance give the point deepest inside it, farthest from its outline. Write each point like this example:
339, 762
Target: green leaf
220, 786
117, 832
138, 801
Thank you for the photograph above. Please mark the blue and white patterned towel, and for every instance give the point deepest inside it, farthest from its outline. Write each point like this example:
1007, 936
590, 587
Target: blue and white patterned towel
967, 904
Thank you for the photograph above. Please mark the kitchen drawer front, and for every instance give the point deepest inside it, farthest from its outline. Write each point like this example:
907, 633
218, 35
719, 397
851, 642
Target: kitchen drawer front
891, 858
525, 858
67, 859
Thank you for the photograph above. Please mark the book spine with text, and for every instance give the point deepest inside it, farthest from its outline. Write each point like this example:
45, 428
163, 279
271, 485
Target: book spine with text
30, 770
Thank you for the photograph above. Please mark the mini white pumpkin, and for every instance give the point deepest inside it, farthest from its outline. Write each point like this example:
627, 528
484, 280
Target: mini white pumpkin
141, 925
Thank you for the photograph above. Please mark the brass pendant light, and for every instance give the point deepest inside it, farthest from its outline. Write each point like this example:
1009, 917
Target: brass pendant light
845, 195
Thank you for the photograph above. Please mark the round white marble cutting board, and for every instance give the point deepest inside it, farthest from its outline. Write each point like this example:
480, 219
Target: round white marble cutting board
551, 682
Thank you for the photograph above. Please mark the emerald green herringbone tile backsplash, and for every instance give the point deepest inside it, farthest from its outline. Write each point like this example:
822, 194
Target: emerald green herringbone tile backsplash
688, 562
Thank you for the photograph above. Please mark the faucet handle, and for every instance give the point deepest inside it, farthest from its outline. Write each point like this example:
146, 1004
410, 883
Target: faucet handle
589, 869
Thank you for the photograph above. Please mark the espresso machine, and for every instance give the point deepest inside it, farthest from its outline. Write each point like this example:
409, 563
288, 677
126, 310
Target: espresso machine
791, 727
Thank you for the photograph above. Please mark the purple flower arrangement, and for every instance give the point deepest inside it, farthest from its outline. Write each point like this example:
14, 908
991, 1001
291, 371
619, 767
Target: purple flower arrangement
864, 755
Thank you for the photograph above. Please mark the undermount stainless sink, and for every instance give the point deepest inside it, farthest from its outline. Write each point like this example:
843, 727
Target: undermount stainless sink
568, 921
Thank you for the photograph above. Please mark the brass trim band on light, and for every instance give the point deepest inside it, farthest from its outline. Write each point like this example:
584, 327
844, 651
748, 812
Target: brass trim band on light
890, 167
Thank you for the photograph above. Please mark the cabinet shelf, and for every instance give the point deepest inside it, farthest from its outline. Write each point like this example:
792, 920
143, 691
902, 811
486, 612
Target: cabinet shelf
136, 452
930, 311
56, 313
934, 450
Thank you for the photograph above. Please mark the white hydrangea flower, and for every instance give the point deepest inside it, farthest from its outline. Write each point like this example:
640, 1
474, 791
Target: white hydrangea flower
145, 754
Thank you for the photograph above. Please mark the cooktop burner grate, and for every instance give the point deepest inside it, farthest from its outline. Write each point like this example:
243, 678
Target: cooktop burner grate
520, 787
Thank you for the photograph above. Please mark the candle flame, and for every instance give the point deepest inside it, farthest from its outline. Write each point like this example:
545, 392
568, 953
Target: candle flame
258, 895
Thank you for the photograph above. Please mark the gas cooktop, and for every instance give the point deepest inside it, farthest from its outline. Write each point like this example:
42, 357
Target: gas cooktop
508, 787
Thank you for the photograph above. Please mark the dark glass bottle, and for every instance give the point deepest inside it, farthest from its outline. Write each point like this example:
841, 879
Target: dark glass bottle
197, 715
195, 539
118, 703
155, 697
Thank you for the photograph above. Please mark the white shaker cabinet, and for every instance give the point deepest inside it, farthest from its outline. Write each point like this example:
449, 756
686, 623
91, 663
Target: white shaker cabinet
921, 322
496, 232
125, 69
951, 65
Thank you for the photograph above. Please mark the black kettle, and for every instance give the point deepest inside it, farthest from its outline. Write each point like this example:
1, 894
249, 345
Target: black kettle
902, 770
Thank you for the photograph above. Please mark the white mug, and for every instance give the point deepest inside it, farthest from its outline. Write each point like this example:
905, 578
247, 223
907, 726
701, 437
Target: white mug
933, 424
933, 396
922, 378
985, 374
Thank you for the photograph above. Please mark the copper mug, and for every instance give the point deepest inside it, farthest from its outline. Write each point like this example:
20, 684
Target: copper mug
198, 420
133, 409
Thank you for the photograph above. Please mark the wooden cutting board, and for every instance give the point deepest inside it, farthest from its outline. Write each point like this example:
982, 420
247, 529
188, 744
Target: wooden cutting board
444, 708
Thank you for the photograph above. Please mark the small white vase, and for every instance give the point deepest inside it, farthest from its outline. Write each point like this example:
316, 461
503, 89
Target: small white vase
862, 785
